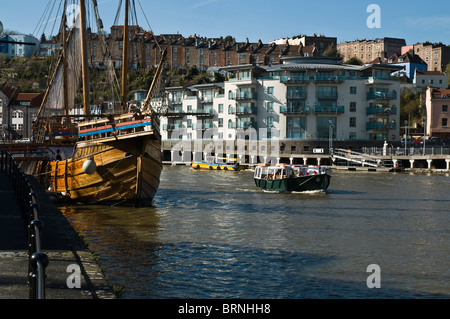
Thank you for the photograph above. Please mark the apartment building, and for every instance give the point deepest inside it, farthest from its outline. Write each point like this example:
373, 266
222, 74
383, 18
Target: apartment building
438, 114
369, 50
302, 99
436, 55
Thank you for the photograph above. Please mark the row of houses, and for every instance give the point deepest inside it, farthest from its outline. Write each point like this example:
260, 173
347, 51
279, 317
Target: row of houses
202, 52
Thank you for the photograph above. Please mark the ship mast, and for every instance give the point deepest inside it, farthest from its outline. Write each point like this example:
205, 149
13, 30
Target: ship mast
84, 59
125, 58
64, 59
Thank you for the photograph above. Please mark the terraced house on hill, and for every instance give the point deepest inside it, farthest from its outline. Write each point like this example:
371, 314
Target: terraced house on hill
302, 99
145, 49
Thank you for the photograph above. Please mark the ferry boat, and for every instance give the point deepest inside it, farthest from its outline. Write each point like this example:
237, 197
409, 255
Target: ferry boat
292, 178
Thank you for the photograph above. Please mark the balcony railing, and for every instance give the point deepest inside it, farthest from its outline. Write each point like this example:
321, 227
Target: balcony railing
294, 109
380, 126
329, 109
170, 127
294, 79
381, 95
246, 125
203, 112
329, 78
243, 110
243, 96
382, 110
202, 126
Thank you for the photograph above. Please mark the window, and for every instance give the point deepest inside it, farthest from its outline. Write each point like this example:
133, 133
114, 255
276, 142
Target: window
269, 106
352, 122
220, 108
297, 92
444, 108
352, 136
353, 90
220, 122
270, 90
327, 92
444, 122
270, 121
295, 128
189, 123
352, 106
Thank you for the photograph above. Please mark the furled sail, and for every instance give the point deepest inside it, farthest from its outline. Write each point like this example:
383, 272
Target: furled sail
54, 98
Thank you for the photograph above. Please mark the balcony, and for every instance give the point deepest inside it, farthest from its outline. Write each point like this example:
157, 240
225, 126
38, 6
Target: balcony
202, 126
171, 127
329, 79
294, 79
324, 109
294, 109
245, 110
380, 126
203, 112
246, 125
382, 110
382, 95
239, 96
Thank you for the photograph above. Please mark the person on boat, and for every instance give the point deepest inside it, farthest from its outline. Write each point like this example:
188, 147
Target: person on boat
58, 156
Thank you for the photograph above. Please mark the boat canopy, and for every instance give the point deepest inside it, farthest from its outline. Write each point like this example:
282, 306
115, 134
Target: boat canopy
287, 171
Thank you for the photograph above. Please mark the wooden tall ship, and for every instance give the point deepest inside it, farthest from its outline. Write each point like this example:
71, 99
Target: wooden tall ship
115, 158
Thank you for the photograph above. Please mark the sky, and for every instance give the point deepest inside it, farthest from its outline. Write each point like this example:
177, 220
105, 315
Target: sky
414, 21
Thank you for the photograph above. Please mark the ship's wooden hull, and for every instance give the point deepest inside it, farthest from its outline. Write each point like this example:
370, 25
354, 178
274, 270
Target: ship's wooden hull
127, 171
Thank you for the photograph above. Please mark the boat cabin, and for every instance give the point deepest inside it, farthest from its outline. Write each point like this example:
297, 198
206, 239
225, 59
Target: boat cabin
285, 171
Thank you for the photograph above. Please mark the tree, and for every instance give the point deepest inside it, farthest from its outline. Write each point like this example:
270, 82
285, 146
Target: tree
447, 70
331, 51
228, 38
412, 107
354, 60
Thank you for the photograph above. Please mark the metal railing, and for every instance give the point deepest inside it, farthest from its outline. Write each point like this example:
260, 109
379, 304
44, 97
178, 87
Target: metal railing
26, 199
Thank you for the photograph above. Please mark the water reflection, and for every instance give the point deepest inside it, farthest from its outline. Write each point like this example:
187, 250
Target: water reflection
214, 235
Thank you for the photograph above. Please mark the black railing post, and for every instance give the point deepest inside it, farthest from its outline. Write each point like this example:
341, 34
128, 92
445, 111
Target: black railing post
36, 276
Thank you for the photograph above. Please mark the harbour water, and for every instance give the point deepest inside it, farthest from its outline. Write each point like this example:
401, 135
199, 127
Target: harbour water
213, 234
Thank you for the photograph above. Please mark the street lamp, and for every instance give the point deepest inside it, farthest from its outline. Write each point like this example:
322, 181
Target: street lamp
424, 130
330, 143
405, 139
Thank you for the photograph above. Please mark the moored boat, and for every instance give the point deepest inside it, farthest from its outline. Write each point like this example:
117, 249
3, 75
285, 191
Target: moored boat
218, 166
114, 158
292, 178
